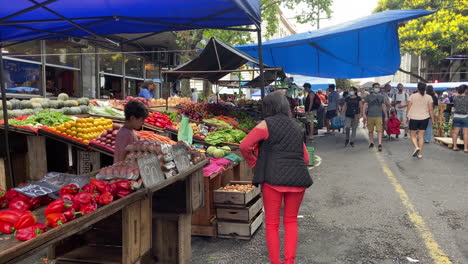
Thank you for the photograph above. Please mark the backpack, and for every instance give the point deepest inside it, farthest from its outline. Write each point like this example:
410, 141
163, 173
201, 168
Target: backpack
317, 102
394, 99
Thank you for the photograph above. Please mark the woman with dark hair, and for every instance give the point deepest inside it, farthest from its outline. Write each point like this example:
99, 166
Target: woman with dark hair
460, 117
435, 102
280, 167
352, 110
420, 114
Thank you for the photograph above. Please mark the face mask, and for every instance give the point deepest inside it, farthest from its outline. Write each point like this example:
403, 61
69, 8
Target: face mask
376, 90
351, 93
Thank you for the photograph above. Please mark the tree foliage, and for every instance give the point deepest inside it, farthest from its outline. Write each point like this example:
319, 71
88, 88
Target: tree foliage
436, 36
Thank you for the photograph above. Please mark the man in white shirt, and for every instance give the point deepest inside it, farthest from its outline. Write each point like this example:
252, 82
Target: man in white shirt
194, 96
400, 102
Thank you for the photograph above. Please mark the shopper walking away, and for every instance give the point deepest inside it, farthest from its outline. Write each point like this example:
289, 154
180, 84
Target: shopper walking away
147, 89
435, 102
311, 104
460, 118
373, 110
280, 168
400, 103
352, 111
420, 112
333, 98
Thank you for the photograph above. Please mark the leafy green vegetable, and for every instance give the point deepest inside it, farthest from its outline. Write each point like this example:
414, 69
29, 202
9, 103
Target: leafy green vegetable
106, 111
19, 123
48, 119
217, 122
247, 123
225, 135
172, 116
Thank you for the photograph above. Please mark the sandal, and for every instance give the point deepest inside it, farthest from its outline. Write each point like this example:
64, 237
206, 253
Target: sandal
456, 149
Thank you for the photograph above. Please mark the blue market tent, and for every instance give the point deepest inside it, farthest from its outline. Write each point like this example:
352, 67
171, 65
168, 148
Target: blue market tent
29, 19
366, 47
315, 82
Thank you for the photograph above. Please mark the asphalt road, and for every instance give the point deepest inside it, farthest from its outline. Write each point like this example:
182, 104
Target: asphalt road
357, 211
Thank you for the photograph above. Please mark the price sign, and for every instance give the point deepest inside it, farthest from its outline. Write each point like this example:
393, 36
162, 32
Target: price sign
181, 157
37, 189
150, 170
204, 130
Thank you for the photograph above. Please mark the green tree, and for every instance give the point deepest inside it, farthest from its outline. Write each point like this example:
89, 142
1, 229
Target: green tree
436, 36
308, 14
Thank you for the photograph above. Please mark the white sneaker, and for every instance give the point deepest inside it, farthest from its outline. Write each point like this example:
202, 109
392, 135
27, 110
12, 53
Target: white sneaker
416, 152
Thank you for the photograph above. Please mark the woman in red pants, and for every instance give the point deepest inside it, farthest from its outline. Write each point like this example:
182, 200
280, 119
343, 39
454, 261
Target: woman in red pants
280, 167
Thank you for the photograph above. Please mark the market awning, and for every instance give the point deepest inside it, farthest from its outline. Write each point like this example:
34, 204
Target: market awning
30, 19
217, 60
366, 47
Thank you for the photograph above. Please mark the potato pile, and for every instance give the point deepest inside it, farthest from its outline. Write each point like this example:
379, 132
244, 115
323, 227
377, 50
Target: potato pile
239, 188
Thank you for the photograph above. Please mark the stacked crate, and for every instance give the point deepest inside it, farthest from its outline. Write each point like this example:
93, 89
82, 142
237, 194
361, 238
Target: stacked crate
239, 214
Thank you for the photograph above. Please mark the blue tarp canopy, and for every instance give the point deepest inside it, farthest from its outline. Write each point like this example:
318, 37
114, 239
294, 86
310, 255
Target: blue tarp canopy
437, 86
315, 82
30, 19
366, 47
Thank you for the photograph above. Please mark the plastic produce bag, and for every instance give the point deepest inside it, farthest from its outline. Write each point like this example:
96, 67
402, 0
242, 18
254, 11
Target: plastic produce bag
185, 131
336, 122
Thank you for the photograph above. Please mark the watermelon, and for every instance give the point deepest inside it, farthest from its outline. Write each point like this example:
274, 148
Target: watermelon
36, 105
71, 103
53, 104
84, 109
45, 104
8, 104
66, 110
28, 111
83, 101
60, 104
63, 97
15, 103
25, 104
75, 110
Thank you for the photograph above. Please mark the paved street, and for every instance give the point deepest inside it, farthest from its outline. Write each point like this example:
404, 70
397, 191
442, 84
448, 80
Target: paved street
369, 207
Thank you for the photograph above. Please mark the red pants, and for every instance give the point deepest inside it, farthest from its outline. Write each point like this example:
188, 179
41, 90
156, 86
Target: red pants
272, 202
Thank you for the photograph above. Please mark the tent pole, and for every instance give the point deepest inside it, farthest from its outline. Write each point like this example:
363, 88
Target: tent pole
5, 119
260, 60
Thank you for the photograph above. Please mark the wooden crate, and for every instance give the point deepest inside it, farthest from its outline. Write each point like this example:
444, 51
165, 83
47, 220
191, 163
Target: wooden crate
172, 238
123, 237
240, 230
447, 141
245, 214
235, 198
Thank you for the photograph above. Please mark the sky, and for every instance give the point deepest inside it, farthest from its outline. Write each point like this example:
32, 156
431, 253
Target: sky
343, 11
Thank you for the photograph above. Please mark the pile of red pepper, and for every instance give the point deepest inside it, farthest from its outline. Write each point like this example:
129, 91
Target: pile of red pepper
159, 120
83, 201
18, 219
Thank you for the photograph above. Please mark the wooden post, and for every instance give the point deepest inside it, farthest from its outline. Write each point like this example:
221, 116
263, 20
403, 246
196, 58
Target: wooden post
136, 231
36, 159
172, 238
3, 180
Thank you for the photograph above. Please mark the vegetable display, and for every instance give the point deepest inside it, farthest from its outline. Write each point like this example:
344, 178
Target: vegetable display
225, 135
107, 138
247, 123
106, 111
172, 116
195, 111
149, 135
218, 152
159, 120
217, 122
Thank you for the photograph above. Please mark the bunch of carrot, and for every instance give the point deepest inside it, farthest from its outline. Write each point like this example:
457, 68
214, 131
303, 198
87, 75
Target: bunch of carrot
227, 119
145, 135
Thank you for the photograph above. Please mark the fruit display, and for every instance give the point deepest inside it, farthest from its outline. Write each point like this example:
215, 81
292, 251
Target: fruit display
84, 129
196, 128
216, 109
149, 135
158, 102
159, 120
225, 135
239, 188
141, 99
107, 138
218, 153
63, 104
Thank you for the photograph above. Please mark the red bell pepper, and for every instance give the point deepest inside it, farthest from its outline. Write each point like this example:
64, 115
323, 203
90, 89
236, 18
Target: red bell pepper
10, 194
88, 208
55, 219
46, 200
89, 188
100, 185
71, 214
120, 193
35, 203
19, 204
6, 228
123, 184
9, 216
71, 189
96, 197
27, 219
30, 232
4, 203
111, 188
105, 198
2, 193
67, 196
83, 198
57, 206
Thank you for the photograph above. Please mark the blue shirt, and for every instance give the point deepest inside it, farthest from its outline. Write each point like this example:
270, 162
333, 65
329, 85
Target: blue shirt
145, 94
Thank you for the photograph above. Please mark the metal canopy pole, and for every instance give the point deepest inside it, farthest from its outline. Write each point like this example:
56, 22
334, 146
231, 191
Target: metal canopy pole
260, 60
5, 120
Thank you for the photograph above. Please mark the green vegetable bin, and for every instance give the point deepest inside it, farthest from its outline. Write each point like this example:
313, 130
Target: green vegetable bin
311, 155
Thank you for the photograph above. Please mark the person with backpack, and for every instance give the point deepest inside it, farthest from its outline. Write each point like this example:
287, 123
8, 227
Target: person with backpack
400, 102
311, 104
352, 109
